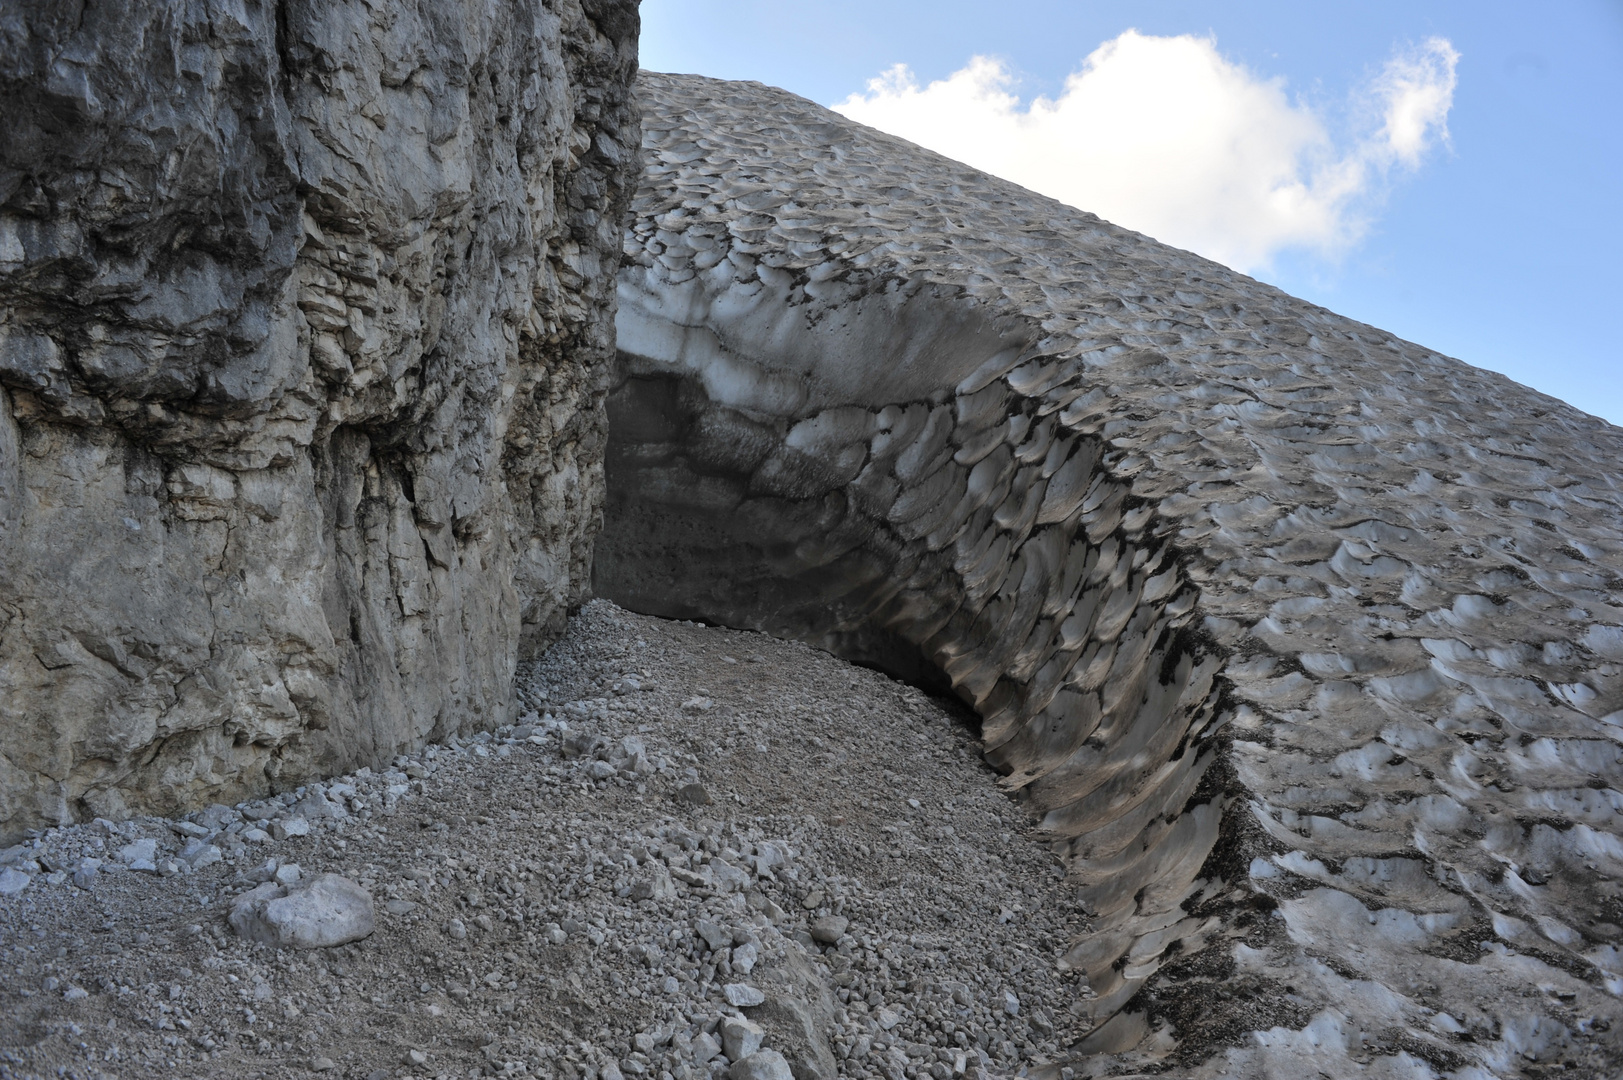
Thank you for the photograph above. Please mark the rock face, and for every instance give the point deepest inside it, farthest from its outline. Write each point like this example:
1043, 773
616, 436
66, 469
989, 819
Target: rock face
1303, 643
305, 311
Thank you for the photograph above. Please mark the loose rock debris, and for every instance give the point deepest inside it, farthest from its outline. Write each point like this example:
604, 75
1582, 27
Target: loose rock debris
699, 852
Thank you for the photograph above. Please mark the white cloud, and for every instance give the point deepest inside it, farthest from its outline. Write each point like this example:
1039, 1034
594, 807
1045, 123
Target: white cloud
1166, 136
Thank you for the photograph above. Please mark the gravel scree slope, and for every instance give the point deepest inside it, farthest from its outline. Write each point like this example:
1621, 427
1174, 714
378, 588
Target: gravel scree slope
688, 825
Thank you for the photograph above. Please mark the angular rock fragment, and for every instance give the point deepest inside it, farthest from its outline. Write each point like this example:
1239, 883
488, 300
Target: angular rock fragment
714, 934
740, 1037
742, 994
286, 828
317, 913
693, 795
140, 855
198, 853
656, 886
800, 1033
761, 1065
829, 928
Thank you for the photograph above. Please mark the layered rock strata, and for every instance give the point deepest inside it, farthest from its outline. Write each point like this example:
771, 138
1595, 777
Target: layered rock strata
1303, 643
305, 314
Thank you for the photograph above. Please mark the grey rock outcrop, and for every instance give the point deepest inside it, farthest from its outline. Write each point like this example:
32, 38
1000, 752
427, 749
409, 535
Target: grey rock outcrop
305, 311
1303, 644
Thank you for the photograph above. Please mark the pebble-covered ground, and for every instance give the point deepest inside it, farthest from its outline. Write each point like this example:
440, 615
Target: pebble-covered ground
688, 824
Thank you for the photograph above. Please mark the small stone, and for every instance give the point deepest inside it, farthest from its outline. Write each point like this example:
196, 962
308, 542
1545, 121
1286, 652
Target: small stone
188, 828
75, 993
670, 985
199, 853
742, 995
416, 1057
914, 803
693, 795
697, 705
744, 959
728, 878
600, 770
714, 935
705, 1047
829, 929
286, 874
813, 900
140, 855
323, 1064
657, 886
316, 807
1011, 1004
13, 882
740, 1037
761, 1065
324, 911
217, 816
887, 1018
456, 929
688, 877
400, 907
84, 874
580, 744
611, 1071
256, 836
290, 827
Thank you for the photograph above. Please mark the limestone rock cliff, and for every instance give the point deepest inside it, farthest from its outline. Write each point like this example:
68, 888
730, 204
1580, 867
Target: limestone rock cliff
305, 311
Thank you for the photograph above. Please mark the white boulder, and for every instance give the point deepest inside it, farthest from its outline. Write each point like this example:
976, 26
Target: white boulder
317, 913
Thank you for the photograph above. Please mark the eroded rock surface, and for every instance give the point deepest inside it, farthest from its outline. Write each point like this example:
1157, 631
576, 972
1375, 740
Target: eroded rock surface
1303, 642
304, 318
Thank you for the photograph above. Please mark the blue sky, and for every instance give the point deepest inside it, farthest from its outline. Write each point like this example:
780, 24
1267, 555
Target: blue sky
1500, 244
